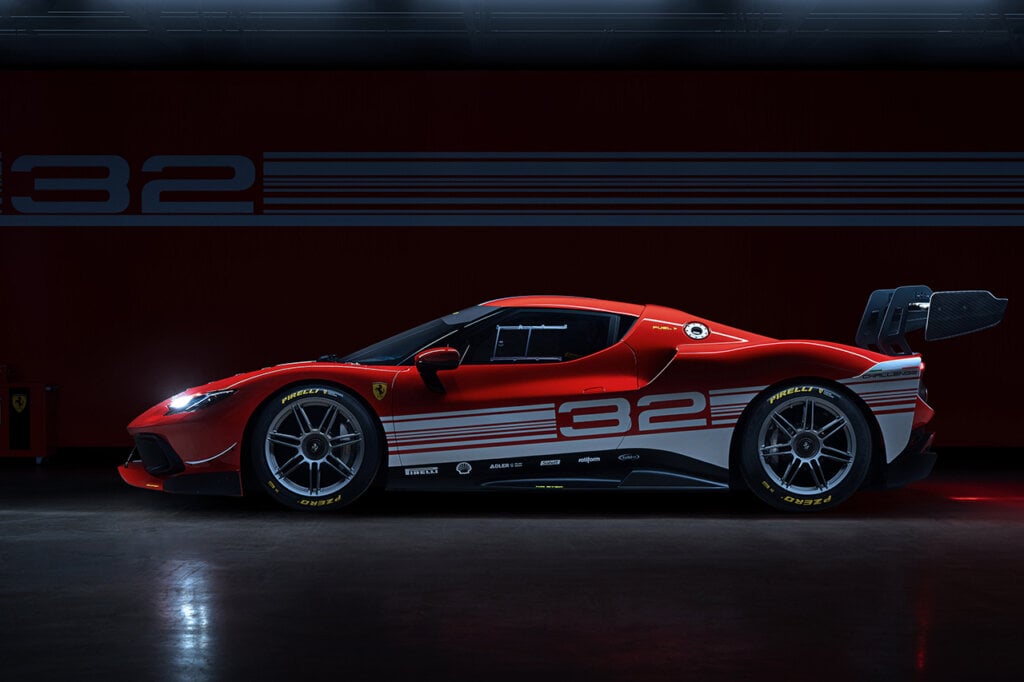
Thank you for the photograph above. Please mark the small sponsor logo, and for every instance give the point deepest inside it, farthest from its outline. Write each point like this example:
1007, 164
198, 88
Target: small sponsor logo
506, 465
696, 330
588, 460
19, 401
628, 458
380, 389
664, 327
421, 471
550, 462
464, 468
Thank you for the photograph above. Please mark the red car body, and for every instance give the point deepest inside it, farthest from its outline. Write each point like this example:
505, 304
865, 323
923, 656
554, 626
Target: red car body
661, 407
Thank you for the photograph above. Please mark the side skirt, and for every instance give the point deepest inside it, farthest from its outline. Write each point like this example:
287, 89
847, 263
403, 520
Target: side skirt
603, 470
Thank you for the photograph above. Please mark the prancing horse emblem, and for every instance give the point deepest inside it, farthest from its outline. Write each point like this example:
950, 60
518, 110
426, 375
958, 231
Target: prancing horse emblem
380, 389
19, 401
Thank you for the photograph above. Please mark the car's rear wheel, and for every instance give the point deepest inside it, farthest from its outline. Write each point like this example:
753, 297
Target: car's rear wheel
806, 447
315, 447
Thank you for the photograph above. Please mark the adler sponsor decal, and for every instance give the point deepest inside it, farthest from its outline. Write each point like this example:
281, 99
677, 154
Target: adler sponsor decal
299, 394
506, 465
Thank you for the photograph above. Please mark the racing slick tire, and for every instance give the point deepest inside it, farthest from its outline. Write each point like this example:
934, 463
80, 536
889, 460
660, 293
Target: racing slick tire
806, 447
315, 448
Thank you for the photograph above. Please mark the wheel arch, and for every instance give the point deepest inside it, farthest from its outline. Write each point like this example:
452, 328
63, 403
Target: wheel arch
249, 481
877, 445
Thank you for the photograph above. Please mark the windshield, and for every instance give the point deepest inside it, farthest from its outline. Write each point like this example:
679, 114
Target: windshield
401, 347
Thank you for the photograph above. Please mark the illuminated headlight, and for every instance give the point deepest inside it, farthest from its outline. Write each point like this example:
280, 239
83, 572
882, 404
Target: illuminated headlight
196, 401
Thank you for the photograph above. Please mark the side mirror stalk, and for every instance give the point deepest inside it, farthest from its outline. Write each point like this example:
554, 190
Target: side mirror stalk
433, 360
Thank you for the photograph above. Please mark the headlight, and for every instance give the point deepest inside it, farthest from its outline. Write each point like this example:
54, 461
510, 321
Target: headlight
196, 401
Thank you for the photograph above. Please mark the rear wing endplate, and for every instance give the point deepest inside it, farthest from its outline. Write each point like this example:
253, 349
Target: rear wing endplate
892, 313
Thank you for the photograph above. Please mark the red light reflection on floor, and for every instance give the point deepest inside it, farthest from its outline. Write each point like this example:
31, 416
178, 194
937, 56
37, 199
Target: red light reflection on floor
1007, 492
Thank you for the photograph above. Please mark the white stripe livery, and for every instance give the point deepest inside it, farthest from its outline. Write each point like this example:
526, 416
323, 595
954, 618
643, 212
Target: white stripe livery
890, 390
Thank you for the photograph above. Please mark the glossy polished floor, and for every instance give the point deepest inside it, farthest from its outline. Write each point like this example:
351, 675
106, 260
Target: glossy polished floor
99, 581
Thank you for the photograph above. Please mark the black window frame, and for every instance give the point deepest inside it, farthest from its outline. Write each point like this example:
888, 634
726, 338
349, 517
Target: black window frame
619, 324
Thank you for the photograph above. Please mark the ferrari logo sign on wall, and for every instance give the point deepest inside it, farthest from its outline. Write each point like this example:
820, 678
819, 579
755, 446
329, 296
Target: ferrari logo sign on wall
19, 401
380, 389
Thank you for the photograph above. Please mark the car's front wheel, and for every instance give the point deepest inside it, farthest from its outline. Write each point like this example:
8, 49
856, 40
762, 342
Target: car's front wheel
315, 447
806, 447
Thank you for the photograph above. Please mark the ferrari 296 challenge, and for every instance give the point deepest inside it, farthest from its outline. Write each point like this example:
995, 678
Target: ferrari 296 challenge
564, 393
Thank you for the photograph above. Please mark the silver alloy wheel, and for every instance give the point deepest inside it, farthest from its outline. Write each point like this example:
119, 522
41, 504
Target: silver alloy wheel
807, 446
314, 447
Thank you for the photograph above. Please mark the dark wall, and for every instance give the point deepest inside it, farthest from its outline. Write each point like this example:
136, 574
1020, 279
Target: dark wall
123, 317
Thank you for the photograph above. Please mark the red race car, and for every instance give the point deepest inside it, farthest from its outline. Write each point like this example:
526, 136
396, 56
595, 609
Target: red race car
562, 393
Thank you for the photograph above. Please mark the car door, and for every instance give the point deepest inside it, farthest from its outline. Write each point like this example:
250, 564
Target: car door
539, 393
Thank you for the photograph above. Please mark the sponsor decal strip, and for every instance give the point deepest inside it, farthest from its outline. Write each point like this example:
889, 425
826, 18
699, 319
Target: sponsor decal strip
553, 448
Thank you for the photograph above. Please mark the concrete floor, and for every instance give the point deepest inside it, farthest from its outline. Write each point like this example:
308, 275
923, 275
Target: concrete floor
99, 581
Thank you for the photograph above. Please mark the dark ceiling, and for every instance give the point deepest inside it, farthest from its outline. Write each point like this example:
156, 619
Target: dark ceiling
512, 33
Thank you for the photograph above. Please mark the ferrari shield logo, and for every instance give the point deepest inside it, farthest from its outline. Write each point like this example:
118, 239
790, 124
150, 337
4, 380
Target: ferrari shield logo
380, 389
19, 401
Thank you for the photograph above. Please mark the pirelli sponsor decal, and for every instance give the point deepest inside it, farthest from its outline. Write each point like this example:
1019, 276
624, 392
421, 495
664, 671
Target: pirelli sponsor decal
299, 394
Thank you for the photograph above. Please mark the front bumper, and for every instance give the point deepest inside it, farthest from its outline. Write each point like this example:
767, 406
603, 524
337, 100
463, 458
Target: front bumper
913, 464
153, 464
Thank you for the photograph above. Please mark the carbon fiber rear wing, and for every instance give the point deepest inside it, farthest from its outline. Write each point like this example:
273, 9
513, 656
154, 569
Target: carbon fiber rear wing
892, 313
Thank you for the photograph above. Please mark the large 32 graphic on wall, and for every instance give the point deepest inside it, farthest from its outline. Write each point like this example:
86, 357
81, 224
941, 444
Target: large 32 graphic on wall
511, 189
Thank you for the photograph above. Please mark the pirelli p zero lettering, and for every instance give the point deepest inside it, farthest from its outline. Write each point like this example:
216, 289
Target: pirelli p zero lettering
298, 394
805, 502
320, 503
797, 390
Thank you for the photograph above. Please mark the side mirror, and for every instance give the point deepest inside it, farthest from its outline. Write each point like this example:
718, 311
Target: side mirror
433, 360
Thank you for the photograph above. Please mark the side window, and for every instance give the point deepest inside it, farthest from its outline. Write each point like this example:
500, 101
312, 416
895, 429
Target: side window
541, 335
